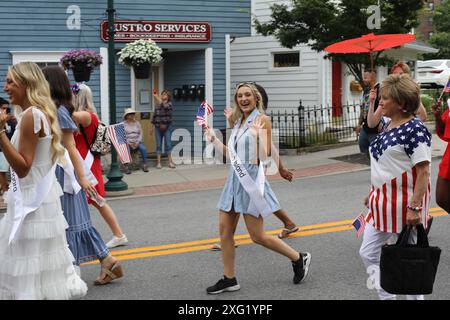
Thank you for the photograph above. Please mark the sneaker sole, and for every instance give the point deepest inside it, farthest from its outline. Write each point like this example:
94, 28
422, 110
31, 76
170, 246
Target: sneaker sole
117, 245
229, 289
308, 262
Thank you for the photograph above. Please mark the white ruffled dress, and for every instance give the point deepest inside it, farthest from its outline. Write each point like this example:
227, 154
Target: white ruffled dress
39, 264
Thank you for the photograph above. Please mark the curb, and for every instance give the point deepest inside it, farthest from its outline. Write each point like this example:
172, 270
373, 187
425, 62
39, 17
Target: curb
203, 185
174, 188
325, 147
316, 148
115, 194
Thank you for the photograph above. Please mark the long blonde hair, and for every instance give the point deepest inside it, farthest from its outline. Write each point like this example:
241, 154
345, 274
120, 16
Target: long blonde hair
237, 113
83, 100
38, 94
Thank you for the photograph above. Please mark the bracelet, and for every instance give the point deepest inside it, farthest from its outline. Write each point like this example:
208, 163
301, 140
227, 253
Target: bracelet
416, 209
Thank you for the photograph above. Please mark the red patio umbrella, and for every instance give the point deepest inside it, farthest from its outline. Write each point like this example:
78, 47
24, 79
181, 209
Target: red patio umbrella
370, 43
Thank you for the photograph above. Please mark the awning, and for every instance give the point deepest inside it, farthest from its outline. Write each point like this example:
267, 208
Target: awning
410, 50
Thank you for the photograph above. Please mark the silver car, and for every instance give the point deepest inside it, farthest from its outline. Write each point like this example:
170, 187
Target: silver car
433, 73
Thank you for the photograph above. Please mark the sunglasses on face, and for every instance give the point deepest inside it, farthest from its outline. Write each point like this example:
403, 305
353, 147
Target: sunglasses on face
245, 83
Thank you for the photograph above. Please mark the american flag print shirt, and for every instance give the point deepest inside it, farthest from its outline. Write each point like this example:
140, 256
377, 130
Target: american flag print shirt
394, 155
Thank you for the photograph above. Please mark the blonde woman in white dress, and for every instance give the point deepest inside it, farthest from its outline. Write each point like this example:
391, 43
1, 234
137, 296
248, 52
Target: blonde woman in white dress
35, 261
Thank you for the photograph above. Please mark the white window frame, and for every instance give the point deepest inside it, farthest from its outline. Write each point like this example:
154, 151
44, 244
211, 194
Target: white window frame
271, 60
36, 56
55, 56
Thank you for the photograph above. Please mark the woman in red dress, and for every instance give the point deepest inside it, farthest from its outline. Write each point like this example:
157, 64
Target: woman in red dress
86, 117
443, 182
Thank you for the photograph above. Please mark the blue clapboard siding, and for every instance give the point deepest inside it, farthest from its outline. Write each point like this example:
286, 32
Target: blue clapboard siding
35, 25
185, 68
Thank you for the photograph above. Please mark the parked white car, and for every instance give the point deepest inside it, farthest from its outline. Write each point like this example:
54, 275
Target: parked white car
433, 73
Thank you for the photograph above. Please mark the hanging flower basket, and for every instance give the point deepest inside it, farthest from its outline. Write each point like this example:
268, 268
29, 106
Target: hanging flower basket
81, 62
140, 55
142, 71
81, 72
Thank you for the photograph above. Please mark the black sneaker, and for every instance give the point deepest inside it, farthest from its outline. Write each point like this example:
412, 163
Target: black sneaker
224, 285
301, 267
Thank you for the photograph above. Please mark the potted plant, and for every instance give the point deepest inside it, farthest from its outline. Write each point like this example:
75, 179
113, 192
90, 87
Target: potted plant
81, 62
140, 55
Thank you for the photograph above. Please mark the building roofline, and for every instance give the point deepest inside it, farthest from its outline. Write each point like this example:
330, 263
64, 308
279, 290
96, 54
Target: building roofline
421, 47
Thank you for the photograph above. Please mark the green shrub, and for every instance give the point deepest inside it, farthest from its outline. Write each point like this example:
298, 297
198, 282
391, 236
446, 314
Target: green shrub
427, 102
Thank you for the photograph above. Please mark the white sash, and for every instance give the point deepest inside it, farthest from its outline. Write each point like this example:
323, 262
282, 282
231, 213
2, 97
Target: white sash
71, 184
255, 189
87, 165
21, 210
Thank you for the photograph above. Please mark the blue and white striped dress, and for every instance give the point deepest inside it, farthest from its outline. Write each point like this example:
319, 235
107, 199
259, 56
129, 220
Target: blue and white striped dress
84, 240
234, 197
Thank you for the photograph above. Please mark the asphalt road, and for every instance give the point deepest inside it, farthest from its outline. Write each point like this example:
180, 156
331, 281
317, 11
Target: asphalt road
174, 272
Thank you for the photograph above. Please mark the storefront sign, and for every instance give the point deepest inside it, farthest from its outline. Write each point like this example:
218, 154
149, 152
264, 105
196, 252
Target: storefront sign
159, 31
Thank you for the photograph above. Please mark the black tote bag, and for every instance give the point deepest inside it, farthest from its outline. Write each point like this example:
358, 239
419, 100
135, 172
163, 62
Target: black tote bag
407, 268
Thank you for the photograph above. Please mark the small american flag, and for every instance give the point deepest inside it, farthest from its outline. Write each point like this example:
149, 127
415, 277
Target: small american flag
359, 224
119, 140
447, 87
201, 117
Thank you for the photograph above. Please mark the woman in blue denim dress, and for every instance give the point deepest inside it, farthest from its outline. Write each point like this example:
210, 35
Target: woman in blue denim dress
251, 141
84, 240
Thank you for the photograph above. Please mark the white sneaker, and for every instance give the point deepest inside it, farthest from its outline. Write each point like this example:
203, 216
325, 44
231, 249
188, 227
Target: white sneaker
116, 242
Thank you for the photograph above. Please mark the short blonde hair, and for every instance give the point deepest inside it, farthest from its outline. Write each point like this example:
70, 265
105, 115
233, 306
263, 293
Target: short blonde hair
403, 90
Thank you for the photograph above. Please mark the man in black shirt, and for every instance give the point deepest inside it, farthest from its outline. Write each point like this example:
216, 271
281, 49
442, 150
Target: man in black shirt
367, 134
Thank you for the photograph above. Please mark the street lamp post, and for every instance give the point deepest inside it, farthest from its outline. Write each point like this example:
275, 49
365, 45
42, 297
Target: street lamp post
114, 176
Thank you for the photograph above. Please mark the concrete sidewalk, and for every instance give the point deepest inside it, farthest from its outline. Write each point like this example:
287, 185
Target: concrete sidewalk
336, 159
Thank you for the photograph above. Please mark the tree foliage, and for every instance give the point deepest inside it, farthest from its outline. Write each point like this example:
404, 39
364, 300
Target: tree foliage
442, 17
441, 39
324, 22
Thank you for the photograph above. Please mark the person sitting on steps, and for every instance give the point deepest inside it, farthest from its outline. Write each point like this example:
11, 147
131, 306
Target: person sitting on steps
133, 132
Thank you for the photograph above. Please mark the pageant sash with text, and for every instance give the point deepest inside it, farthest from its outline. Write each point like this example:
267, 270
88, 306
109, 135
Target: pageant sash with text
21, 209
255, 189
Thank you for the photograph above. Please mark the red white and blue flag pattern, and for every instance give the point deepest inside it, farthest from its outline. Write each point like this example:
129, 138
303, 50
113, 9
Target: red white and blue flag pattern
119, 140
204, 110
359, 224
394, 155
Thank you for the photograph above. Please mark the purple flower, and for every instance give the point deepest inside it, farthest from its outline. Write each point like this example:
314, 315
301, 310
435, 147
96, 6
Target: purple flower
90, 57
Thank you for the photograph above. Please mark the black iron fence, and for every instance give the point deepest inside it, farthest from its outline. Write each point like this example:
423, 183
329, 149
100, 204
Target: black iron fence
315, 125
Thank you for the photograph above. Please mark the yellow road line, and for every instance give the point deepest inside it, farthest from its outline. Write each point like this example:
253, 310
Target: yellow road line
207, 247
191, 246
214, 240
